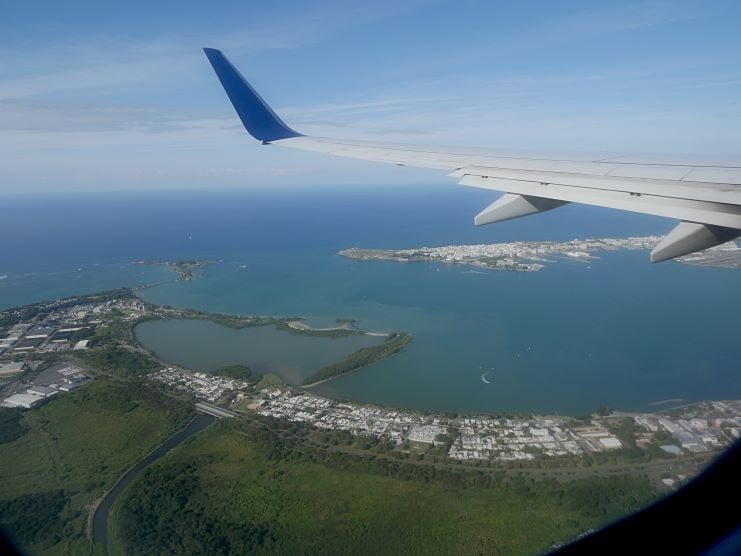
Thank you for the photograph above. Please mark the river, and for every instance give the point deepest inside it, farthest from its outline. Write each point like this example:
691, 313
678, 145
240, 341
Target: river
100, 519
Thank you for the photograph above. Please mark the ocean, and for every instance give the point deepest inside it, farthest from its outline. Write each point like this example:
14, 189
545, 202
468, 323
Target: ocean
618, 331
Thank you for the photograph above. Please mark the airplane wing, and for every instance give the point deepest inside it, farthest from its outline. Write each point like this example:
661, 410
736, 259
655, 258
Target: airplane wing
704, 195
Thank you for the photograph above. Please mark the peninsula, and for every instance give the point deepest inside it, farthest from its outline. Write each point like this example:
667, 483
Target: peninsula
363, 357
531, 256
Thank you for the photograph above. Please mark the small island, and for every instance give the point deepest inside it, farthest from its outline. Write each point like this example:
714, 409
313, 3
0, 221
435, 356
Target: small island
184, 269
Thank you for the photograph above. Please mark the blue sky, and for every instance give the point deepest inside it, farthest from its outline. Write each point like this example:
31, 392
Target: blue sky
101, 96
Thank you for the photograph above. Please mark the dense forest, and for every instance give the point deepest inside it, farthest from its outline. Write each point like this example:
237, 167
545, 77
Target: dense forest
34, 518
250, 489
239, 372
11, 425
120, 360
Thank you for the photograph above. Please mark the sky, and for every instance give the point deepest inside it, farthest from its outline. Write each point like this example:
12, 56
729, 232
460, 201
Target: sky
102, 96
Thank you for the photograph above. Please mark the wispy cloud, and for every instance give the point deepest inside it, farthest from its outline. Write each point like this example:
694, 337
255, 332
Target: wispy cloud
107, 109
101, 62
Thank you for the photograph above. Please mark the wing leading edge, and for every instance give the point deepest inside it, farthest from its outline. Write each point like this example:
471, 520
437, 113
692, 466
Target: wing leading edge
705, 196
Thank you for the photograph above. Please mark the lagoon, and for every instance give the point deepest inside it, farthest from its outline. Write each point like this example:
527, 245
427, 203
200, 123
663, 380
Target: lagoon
204, 345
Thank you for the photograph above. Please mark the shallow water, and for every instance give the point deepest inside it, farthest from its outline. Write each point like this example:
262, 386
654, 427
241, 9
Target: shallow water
204, 345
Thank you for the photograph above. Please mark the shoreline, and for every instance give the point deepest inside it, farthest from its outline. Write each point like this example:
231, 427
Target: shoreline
532, 256
235, 321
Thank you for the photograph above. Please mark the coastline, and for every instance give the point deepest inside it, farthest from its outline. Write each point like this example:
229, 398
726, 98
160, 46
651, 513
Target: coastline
516, 435
532, 256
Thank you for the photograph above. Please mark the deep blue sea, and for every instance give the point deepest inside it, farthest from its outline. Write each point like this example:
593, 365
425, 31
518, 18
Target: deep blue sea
619, 332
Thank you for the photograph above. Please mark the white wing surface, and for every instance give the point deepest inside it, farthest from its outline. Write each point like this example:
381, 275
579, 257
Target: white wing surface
705, 195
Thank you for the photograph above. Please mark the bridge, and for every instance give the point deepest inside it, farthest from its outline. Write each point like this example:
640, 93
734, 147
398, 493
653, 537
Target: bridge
214, 410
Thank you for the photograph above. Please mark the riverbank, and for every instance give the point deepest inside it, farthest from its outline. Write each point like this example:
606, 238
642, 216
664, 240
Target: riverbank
100, 515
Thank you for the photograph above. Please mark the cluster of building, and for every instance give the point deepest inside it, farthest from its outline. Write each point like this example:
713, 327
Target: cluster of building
50, 382
519, 255
200, 385
42, 338
515, 439
700, 427
470, 438
328, 414
55, 326
59, 329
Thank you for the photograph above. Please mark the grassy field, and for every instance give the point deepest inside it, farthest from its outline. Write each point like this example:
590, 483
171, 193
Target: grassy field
75, 448
221, 493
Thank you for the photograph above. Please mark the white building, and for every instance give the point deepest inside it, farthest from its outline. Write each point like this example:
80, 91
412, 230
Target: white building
610, 443
26, 401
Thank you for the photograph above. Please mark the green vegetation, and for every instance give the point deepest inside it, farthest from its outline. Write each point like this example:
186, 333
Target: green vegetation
11, 425
120, 360
78, 443
34, 518
394, 343
232, 321
626, 430
114, 332
83, 334
240, 372
269, 380
250, 489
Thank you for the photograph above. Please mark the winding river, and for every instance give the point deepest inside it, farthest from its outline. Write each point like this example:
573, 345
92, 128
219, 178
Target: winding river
100, 518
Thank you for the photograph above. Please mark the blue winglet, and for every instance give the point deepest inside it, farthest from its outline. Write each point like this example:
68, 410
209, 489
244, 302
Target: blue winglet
258, 118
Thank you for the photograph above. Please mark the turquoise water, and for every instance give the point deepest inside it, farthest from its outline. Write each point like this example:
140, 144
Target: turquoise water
205, 345
623, 333
565, 339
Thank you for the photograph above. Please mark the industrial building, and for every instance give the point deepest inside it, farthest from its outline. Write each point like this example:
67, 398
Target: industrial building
25, 401
12, 368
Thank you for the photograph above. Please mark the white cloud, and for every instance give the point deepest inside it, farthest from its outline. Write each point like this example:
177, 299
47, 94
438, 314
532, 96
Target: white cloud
66, 119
